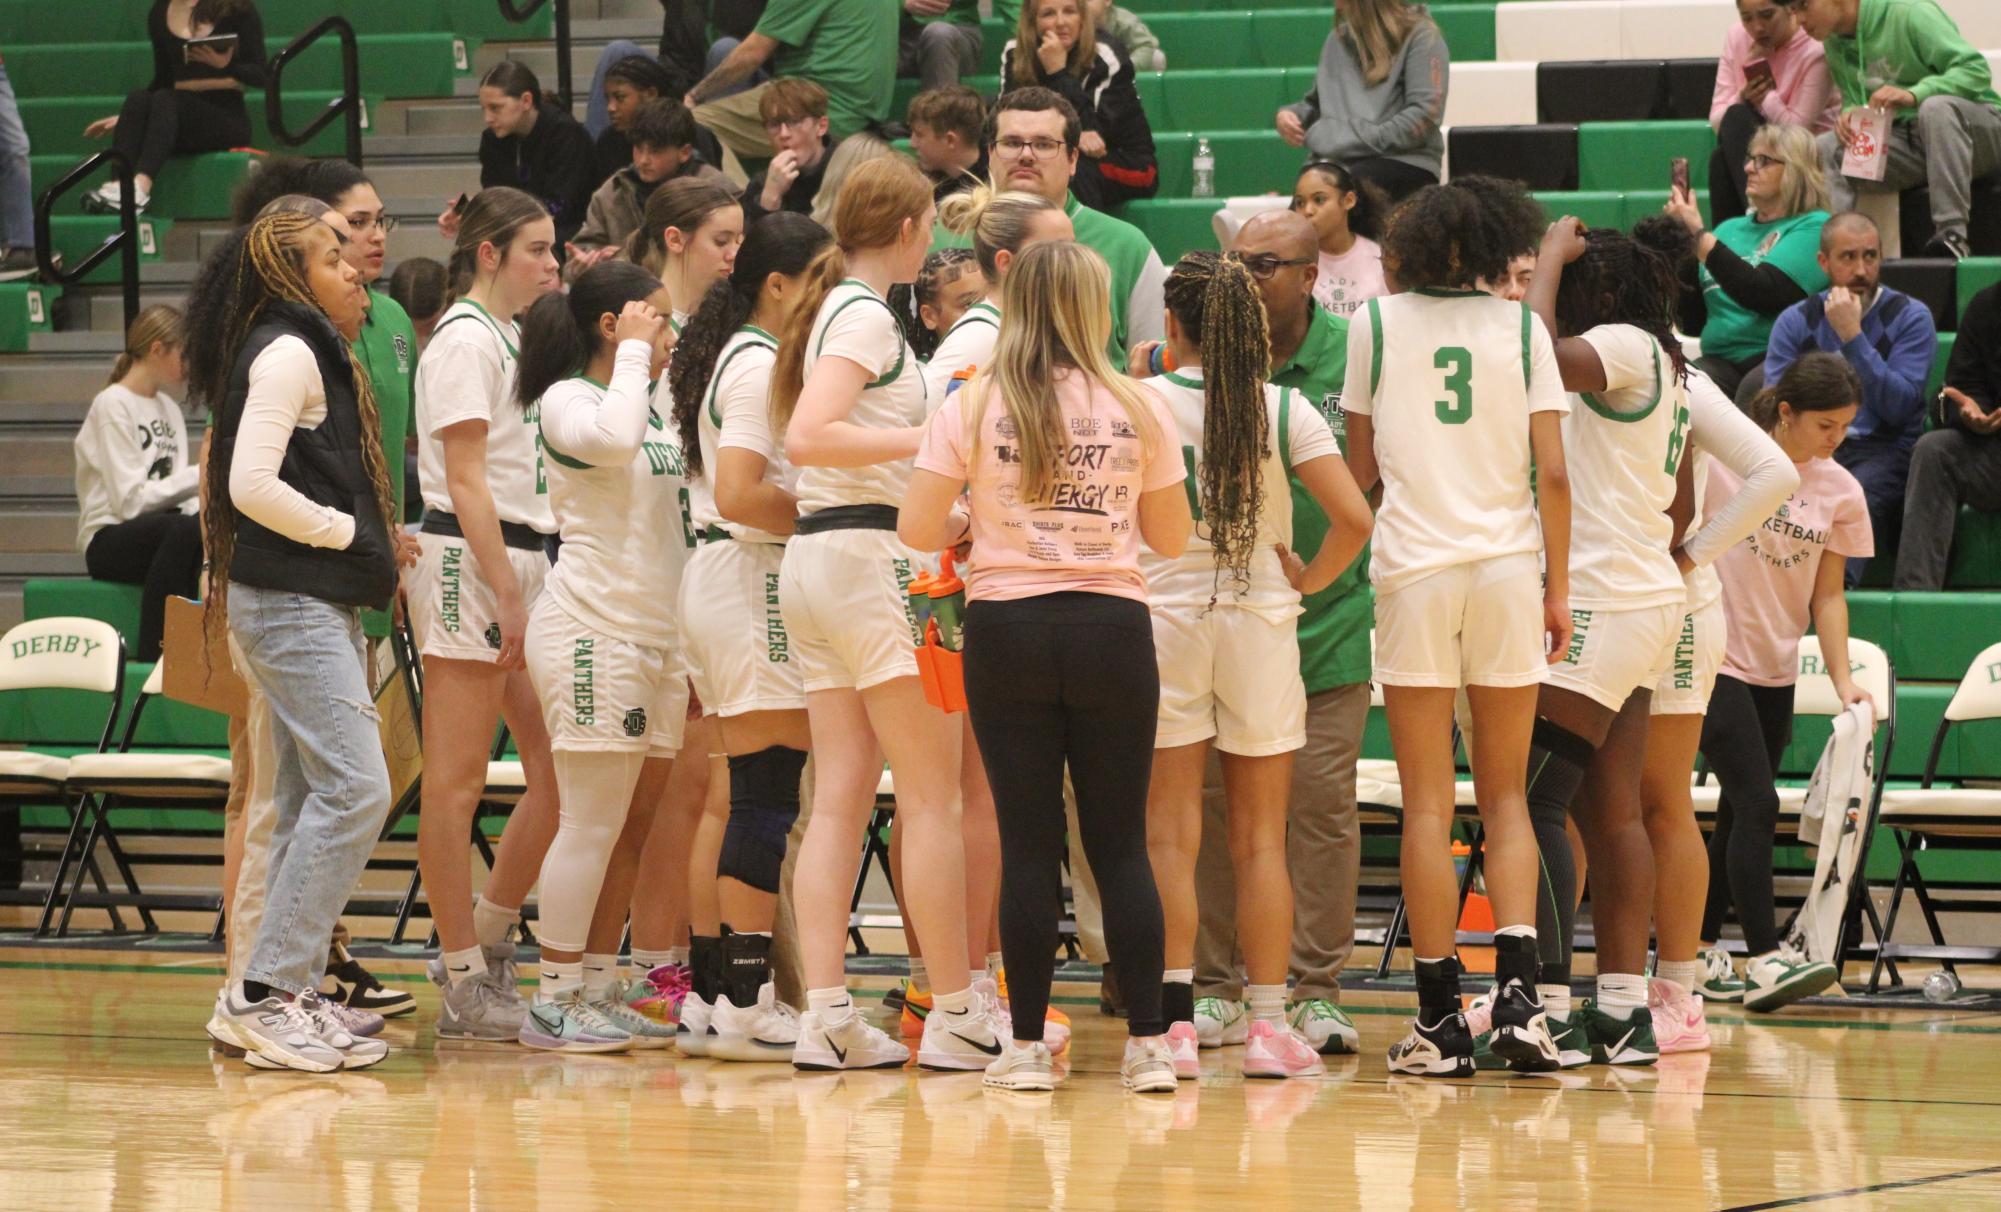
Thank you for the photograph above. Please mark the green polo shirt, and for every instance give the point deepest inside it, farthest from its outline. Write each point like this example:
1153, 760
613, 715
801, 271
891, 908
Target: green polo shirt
847, 47
387, 350
1334, 630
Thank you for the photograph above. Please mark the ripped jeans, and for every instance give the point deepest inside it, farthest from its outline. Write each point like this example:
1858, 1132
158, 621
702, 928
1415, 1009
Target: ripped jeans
330, 785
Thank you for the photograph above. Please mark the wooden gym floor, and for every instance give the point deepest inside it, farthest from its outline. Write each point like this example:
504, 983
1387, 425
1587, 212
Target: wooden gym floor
109, 1099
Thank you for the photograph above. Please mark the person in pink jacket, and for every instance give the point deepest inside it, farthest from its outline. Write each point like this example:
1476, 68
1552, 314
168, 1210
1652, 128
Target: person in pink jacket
1771, 71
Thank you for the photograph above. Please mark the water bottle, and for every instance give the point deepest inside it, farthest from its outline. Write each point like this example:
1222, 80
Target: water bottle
1205, 171
919, 592
1941, 986
948, 606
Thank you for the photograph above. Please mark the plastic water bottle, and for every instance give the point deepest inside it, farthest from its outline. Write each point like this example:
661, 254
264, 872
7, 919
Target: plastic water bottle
1205, 171
1941, 986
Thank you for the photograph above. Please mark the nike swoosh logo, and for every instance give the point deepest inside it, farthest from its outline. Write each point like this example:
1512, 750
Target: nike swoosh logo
1619, 1047
993, 1049
840, 1053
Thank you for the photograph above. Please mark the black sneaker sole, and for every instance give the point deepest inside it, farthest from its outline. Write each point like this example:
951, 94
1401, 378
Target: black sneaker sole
1521, 1054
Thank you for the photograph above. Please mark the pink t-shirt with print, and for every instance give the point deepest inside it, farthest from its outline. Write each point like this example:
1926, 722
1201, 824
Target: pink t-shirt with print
1768, 578
1085, 538
1348, 281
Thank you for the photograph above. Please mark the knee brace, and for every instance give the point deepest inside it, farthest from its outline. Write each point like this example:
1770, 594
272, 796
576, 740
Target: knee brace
764, 802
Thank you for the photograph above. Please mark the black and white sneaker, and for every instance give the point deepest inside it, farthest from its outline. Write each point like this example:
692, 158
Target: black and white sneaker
1949, 244
1521, 1030
355, 987
1444, 1049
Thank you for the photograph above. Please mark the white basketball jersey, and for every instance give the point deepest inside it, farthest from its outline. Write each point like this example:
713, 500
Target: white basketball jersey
1622, 447
857, 324
736, 414
467, 374
968, 343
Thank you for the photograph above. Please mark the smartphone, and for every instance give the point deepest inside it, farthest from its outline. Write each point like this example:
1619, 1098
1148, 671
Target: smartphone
1759, 69
1678, 174
460, 202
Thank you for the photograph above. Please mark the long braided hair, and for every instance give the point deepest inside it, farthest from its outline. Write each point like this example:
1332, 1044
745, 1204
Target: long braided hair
1217, 304
255, 268
1628, 279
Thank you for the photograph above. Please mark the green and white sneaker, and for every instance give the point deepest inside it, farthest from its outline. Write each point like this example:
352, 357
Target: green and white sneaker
1325, 1028
571, 1024
1573, 1048
1618, 1041
1220, 1023
1782, 977
645, 1032
1719, 982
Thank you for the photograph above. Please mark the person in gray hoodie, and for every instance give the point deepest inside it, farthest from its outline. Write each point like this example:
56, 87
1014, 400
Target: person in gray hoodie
1378, 96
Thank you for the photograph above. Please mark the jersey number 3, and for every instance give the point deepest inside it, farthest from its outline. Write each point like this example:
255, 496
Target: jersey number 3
1457, 363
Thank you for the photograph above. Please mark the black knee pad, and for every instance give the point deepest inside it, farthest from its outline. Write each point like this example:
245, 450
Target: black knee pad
764, 802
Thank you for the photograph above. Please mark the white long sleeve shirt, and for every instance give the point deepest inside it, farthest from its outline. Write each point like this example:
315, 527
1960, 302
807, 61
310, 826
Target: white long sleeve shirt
286, 394
1719, 429
131, 459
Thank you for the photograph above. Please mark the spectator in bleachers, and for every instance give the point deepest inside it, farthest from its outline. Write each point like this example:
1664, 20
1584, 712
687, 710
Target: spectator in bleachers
796, 121
950, 282
1771, 72
1124, 27
628, 84
1347, 215
422, 287
939, 40
531, 144
1755, 266
1056, 47
946, 125
205, 53
1378, 97
847, 47
1908, 57
1959, 461
1888, 339
17, 202
662, 132
135, 487
1033, 147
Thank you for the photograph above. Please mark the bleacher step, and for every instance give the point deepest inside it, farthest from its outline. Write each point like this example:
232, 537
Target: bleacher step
31, 386
77, 341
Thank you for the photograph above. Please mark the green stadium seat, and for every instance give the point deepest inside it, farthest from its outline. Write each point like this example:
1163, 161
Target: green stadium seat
25, 308
1598, 208
1938, 634
1946, 341
1175, 225
1285, 37
1468, 30
55, 124
1206, 100
1635, 155
80, 597
1975, 275
1976, 551
77, 236
1221, 40
191, 187
405, 65
1247, 162
75, 718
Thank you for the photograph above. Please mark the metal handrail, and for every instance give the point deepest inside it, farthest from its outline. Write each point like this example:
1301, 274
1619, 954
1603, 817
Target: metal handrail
520, 13
347, 105
125, 241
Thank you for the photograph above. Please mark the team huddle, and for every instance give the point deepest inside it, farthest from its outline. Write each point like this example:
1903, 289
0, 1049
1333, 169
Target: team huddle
738, 466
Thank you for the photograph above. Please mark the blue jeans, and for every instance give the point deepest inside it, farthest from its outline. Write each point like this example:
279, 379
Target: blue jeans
330, 786
1883, 467
17, 204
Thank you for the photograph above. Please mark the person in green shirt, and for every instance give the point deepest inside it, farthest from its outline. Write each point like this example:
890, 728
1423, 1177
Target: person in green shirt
1909, 58
941, 39
848, 47
1755, 266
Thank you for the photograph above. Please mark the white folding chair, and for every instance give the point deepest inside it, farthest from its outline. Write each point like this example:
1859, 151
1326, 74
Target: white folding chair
1969, 817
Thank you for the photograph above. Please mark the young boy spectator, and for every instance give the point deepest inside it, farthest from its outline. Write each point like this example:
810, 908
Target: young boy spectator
1771, 71
1959, 461
939, 41
795, 120
945, 133
1141, 44
663, 136
1888, 339
1947, 132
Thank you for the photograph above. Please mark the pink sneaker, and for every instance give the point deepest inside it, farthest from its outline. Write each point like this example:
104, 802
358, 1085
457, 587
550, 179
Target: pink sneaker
658, 995
1679, 1022
1276, 1050
1183, 1046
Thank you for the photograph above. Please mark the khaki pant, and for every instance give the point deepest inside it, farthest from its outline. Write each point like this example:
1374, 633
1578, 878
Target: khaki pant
1323, 855
739, 127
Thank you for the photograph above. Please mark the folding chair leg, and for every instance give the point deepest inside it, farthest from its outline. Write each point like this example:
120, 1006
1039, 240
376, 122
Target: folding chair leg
1904, 870
125, 870
63, 860
871, 843
1390, 936
408, 905
1925, 906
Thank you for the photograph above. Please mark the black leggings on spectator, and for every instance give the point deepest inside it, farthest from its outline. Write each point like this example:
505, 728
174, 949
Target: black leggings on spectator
174, 121
1393, 177
160, 552
1069, 679
1726, 163
1743, 736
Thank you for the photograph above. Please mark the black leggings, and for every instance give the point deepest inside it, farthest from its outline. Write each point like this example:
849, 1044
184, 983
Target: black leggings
169, 121
1726, 163
1747, 729
159, 551
1394, 177
1069, 678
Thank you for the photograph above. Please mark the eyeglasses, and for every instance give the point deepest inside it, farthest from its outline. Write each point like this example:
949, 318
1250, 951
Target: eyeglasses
778, 124
363, 224
1759, 160
1040, 149
1263, 267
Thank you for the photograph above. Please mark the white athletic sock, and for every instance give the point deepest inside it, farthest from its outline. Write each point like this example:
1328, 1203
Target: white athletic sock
600, 974
678, 955
1686, 973
1267, 1003
994, 964
463, 966
1555, 1000
559, 980
1178, 976
491, 922
920, 979
955, 1003
647, 961
1621, 993
1517, 931
834, 1006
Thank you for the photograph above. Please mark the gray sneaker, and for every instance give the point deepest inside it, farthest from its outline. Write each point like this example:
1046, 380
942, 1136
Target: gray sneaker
500, 970
479, 1009
281, 1034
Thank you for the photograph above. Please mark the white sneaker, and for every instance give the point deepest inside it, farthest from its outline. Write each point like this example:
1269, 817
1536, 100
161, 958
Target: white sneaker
1022, 1067
693, 1035
852, 1044
969, 1039
277, 1031
765, 1030
1148, 1067
1782, 977
1326, 1029
1220, 1023
357, 1051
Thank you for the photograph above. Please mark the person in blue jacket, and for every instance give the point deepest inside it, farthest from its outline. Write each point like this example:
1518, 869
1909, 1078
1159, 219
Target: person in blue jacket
1889, 339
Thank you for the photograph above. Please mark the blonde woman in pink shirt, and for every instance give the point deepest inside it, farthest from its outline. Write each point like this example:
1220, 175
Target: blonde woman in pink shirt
1771, 72
1067, 466
1785, 577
